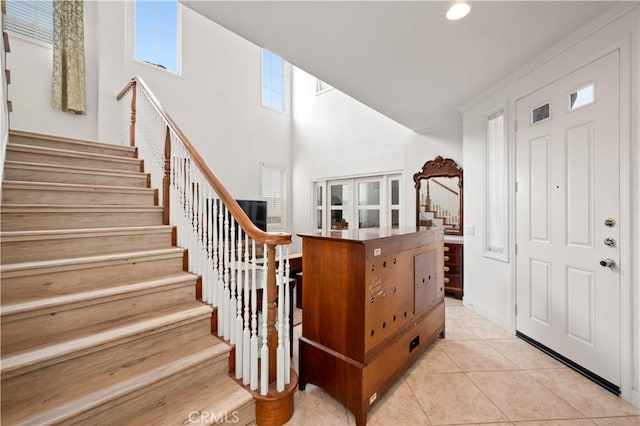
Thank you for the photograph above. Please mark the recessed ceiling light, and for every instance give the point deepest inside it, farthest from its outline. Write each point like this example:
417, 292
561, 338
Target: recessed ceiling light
458, 11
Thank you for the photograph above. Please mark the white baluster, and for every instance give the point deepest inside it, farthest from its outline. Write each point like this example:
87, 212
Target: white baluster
227, 291
232, 284
214, 247
238, 320
189, 212
221, 292
254, 320
287, 323
246, 333
280, 323
264, 352
208, 255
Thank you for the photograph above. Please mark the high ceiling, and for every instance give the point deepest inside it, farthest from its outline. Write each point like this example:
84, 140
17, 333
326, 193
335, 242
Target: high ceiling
404, 59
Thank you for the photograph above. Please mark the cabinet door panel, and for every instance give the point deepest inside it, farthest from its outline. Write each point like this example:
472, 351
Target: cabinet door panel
425, 279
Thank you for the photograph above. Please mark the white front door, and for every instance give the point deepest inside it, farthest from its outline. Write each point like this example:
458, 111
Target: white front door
567, 208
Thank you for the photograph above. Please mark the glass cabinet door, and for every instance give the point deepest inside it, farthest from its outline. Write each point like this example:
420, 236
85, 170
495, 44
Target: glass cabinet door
340, 193
369, 204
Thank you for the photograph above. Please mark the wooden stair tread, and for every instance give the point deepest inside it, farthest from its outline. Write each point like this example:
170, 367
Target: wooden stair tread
136, 384
66, 347
71, 262
79, 142
68, 301
70, 169
69, 153
49, 186
6, 208
224, 396
81, 232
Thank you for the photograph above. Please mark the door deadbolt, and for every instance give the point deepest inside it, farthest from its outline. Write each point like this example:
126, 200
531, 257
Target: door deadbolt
608, 263
610, 222
609, 242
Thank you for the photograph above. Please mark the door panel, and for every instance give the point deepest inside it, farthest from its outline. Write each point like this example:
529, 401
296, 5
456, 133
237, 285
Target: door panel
567, 170
580, 174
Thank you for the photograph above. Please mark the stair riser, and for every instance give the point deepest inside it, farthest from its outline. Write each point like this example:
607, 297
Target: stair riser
72, 161
23, 334
68, 197
115, 363
120, 411
71, 146
70, 246
31, 221
56, 176
60, 281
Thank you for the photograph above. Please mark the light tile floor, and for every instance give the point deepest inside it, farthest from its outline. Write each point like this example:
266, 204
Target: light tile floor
479, 374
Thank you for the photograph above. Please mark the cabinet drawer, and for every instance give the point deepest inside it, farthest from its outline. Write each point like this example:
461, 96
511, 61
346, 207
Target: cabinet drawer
452, 270
453, 249
454, 282
452, 259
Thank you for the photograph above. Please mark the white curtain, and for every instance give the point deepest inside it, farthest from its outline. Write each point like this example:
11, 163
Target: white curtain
496, 185
68, 86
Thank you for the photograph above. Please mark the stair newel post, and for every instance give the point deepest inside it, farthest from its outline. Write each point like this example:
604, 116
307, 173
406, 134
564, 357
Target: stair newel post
166, 179
132, 127
271, 295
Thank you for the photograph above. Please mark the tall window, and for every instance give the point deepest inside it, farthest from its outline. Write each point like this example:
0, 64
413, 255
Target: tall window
272, 80
31, 18
273, 191
394, 190
496, 187
320, 206
157, 33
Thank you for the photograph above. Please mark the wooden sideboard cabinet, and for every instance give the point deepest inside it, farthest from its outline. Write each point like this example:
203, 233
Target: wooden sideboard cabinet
373, 301
453, 267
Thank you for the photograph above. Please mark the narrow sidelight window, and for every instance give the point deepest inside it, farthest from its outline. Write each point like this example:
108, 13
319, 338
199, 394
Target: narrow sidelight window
496, 187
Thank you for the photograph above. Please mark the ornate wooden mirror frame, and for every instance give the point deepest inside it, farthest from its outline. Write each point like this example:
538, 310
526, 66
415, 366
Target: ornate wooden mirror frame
439, 168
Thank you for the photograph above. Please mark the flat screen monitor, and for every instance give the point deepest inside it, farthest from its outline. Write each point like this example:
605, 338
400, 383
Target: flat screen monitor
257, 212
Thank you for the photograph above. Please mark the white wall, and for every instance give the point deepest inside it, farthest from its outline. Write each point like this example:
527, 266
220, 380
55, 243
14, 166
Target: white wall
215, 100
333, 135
31, 65
489, 284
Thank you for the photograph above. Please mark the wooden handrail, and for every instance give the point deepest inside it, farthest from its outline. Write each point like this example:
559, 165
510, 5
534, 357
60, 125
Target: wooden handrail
275, 238
444, 186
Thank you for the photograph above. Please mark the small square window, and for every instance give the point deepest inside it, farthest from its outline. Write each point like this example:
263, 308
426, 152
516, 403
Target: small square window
540, 113
581, 97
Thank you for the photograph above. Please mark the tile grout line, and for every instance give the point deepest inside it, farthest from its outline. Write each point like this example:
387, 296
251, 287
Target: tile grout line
417, 400
488, 397
560, 397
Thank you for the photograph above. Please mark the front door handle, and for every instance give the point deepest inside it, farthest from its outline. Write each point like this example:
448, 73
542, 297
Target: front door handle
608, 263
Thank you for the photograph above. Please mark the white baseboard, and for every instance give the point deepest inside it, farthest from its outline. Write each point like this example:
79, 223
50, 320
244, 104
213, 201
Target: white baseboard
634, 398
478, 309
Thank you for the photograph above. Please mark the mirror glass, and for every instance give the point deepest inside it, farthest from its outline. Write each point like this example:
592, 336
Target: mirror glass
440, 202
439, 195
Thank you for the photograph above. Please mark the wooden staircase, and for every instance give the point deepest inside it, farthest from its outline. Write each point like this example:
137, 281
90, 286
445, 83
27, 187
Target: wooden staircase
99, 320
